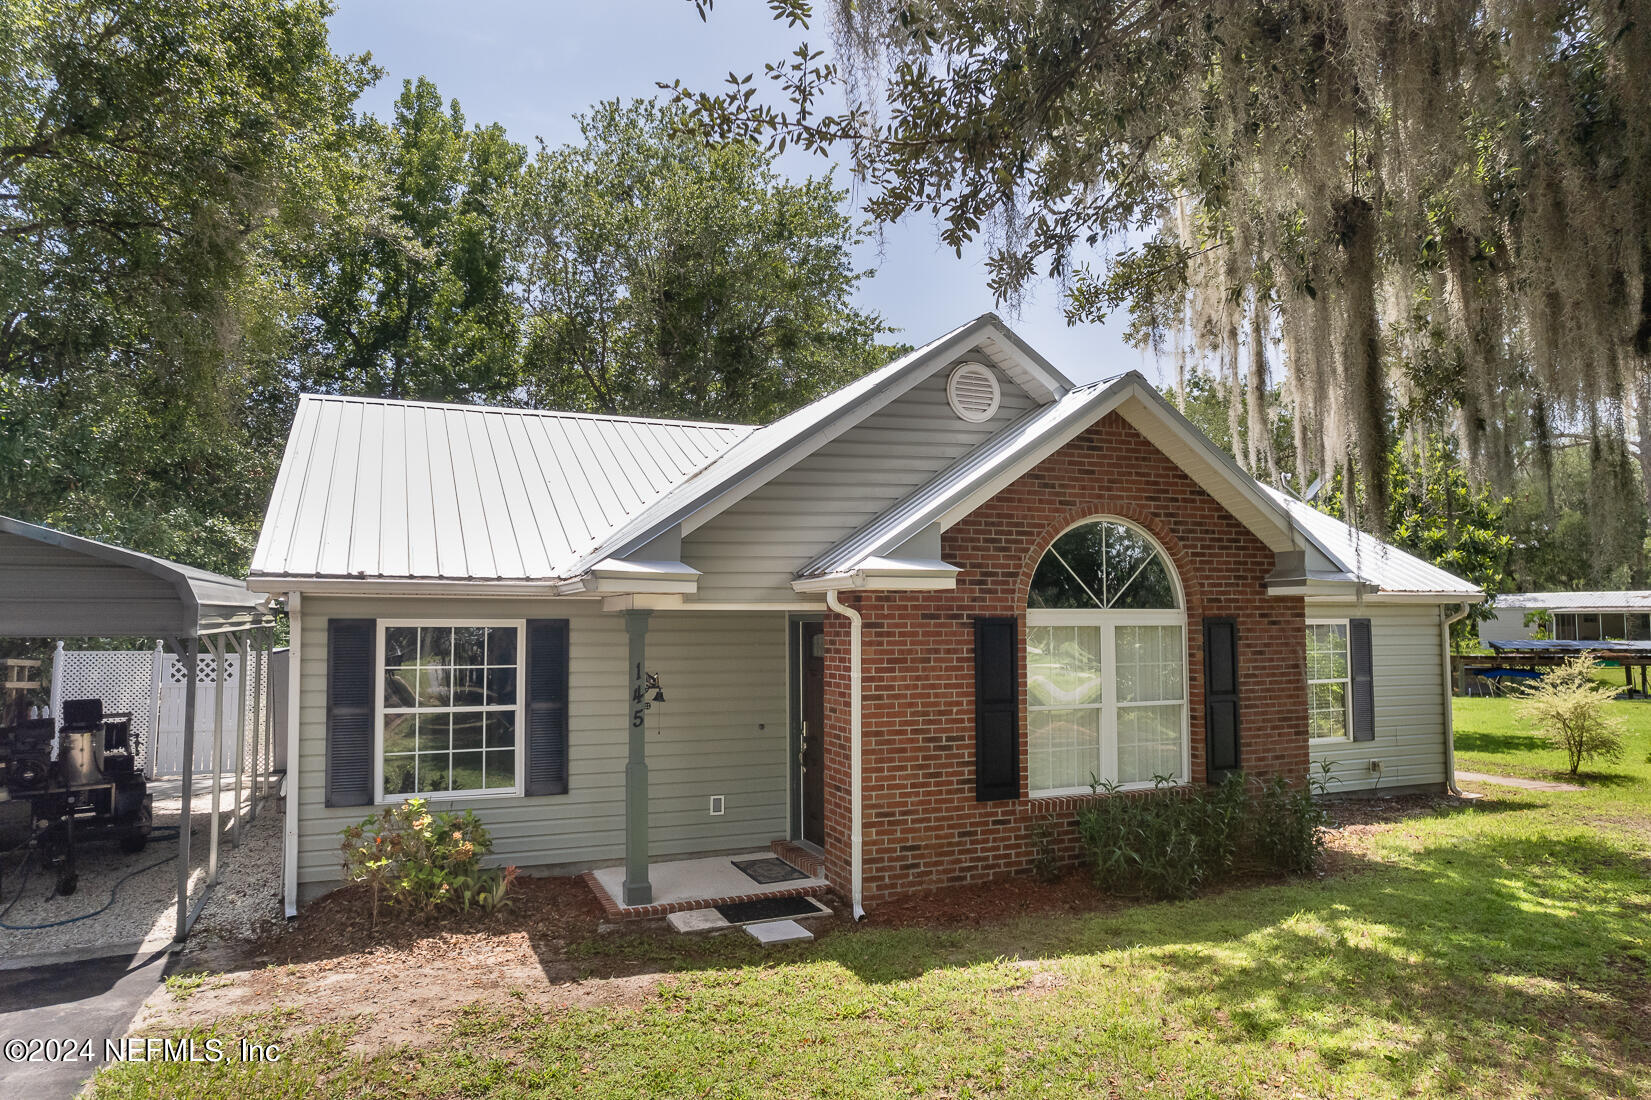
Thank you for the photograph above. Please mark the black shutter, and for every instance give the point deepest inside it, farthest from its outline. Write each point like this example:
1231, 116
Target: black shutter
350, 672
1364, 697
997, 710
547, 706
1220, 698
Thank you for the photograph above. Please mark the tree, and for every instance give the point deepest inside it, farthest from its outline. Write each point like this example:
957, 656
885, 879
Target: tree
1442, 206
665, 277
150, 150
1567, 708
411, 298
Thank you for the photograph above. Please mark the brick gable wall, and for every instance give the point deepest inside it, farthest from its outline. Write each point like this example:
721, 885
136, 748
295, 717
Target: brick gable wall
922, 825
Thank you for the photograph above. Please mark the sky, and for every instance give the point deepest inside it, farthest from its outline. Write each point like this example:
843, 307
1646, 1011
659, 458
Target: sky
533, 66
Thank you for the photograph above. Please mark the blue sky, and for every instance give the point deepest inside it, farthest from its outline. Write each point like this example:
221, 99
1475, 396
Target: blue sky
533, 66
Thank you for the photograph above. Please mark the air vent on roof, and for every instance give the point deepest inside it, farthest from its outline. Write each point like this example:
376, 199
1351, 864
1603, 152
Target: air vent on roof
973, 392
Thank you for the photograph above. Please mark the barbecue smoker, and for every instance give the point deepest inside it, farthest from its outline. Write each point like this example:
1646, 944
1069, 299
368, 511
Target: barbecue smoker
61, 784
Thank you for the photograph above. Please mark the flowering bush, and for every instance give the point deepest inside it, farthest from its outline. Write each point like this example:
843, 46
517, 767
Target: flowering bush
422, 861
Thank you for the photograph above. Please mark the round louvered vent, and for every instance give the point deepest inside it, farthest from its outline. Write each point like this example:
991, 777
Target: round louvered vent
973, 392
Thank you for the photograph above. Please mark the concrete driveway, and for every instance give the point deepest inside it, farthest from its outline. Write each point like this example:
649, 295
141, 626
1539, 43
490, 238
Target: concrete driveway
83, 1000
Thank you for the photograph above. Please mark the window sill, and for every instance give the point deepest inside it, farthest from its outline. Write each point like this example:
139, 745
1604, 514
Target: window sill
1329, 740
448, 796
1125, 788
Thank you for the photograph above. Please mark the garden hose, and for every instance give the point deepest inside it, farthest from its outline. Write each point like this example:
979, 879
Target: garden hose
26, 866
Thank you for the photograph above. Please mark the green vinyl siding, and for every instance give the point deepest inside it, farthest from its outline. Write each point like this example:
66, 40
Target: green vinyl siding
721, 730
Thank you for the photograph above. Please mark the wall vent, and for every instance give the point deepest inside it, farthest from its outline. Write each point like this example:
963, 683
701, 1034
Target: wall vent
973, 392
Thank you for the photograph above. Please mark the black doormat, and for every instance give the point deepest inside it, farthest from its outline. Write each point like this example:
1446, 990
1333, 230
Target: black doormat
743, 912
766, 871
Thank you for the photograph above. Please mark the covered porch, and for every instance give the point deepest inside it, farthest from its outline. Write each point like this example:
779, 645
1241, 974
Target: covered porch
650, 882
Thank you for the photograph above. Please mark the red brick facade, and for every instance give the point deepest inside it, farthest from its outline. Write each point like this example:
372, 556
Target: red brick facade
922, 825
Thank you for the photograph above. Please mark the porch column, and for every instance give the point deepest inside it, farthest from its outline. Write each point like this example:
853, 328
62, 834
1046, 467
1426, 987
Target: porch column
638, 891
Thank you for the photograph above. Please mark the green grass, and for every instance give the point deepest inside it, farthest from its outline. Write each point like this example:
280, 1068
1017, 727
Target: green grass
186, 983
1490, 739
1498, 949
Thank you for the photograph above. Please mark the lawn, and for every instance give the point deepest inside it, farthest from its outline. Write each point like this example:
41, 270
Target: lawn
1490, 739
1495, 948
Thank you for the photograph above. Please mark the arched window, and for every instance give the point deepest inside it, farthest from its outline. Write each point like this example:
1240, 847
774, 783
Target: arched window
1105, 662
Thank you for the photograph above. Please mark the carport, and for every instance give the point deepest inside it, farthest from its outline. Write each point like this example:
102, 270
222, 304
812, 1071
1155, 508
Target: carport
55, 585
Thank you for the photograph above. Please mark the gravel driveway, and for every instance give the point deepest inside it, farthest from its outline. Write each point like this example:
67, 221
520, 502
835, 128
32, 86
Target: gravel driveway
145, 906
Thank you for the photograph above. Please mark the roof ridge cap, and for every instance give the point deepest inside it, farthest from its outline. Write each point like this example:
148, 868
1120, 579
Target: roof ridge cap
458, 406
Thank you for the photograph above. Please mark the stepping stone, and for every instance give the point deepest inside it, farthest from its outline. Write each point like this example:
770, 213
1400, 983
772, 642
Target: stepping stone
697, 920
778, 931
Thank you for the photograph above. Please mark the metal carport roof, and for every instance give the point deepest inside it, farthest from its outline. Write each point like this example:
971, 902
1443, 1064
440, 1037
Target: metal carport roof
57, 585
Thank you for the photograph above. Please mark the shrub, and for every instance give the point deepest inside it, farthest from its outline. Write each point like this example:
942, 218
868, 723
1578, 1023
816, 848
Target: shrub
422, 861
1046, 866
1567, 709
1174, 841
1289, 825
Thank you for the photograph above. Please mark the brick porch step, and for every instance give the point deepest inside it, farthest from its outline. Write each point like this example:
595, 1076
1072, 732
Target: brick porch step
613, 911
803, 859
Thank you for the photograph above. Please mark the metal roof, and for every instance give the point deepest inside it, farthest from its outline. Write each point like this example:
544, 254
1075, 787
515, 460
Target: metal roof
57, 585
414, 490
1364, 556
1576, 601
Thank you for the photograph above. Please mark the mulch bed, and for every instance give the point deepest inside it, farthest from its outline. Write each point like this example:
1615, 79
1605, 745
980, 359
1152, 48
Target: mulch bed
551, 911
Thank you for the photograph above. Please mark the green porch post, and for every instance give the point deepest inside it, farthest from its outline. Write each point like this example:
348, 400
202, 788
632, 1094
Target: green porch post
638, 891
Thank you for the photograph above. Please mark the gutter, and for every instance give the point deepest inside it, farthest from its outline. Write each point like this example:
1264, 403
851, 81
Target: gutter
855, 776
1450, 723
289, 855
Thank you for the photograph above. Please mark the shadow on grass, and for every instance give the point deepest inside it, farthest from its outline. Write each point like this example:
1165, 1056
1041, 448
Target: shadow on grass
1497, 743
1487, 953
1488, 958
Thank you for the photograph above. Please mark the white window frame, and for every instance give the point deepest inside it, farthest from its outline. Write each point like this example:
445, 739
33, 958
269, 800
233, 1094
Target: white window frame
520, 710
1345, 681
1109, 621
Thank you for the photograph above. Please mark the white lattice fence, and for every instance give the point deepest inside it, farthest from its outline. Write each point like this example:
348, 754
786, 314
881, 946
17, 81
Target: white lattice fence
154, 686
123, 679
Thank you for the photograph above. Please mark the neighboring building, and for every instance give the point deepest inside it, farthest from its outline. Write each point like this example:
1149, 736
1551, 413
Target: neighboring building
905, 624
1569, 617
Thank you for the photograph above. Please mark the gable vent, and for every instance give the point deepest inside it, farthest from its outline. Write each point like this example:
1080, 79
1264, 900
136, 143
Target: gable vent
973, 392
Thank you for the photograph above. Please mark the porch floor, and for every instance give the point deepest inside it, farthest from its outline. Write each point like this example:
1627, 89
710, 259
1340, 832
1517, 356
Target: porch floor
680, 885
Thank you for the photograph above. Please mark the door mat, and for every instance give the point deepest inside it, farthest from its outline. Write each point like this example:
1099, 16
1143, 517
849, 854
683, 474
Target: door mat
770, 870
742, 912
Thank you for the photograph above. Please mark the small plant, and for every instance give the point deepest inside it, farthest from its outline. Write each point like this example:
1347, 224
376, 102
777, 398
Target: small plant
1046, 865
422, 861
1567, 709
186, 983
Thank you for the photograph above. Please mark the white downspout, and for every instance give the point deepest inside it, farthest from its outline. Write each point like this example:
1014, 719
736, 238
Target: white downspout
1450, 723
853, 617
289, 868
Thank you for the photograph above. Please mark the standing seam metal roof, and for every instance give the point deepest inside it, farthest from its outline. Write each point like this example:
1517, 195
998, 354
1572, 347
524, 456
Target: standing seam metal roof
1369, 558
414, 490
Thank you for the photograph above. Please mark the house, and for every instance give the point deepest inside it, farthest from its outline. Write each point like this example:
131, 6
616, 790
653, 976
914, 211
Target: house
901, 626
1569, 616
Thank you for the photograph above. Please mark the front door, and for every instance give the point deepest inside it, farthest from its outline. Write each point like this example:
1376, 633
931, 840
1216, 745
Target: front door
811, 739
